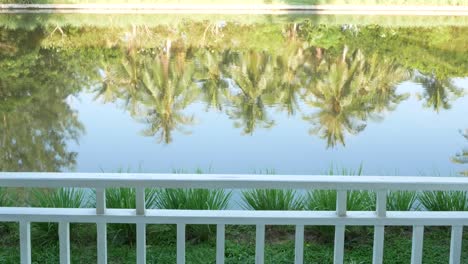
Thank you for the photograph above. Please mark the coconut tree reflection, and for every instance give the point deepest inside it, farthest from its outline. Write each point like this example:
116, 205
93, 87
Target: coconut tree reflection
252, 74
350, 90
438, 92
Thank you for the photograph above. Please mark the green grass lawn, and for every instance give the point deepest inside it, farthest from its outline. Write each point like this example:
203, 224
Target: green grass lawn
293, 2
240, 246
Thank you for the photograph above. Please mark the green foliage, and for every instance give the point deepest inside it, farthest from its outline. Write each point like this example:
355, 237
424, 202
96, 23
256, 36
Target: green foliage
59, 198
259, 199
325, 200
402, 201
125, 198
4, 199
197, 199
444, 200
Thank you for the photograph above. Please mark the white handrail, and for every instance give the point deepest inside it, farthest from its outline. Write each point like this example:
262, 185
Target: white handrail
231, 181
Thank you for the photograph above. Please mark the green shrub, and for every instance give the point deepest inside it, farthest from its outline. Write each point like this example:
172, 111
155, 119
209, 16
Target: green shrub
59, 198
125, 198
402, 201
325, 200
196, 199
444, 200
260, 199
4, 199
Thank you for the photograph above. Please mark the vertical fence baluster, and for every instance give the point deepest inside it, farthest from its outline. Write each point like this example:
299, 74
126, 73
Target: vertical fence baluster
379, 231
64, 239
220, 237
25, 242
299, 245
141, 227
260, 244
341, 200
456, 244
101, 227
180, 243
417, 246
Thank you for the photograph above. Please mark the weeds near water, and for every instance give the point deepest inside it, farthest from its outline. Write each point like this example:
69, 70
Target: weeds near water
59, 198
4, 199
259, 199
444, 200
195, 199
402, 201
125, 198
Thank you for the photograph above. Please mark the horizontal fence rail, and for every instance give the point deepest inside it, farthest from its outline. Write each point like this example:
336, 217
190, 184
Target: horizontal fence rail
340, 218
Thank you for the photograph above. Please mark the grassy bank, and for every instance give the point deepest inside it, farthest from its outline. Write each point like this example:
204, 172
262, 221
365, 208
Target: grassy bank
291, 2
240, 246
240, 243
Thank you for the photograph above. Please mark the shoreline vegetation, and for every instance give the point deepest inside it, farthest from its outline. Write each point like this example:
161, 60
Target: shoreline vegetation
239, 239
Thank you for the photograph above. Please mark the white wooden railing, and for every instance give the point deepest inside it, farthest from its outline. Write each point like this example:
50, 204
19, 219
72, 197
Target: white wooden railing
142, 216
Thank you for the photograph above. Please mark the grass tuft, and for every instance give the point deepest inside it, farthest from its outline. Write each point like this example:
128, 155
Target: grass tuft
444, 200
259, 199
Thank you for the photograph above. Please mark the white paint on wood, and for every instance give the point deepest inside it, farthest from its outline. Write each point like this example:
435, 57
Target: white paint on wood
64, 239
338, 254
141, 243
299, 245
140, 201
180, 243
456, 244
378, 250
417, 244
230, 181
220, 247
25, 242
101, 243
341, 201
260, 244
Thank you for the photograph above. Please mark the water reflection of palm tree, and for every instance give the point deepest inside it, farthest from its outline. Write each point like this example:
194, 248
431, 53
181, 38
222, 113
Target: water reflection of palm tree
212, 79
166, 90
348, 91
438, 92
252, 74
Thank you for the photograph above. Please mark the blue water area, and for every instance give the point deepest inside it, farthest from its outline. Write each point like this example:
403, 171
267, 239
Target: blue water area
296, 95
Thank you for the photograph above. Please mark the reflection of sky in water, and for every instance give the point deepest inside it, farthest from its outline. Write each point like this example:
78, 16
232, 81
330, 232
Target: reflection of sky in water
411, 140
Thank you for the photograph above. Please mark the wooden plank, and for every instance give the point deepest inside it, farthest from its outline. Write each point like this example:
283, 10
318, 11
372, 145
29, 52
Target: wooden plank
456, 244
381, 204
102, 243
417, 246
260, 244
242, 217
378, 249
341, 200
180, 243
25, 242
64, 239
140, 201
107, 180
141, 243
299, 245
220, 246
338, 254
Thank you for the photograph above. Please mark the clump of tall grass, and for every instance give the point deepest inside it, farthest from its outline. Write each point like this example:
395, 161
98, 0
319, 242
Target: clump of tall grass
59, 198
196, 199
325, 200
259, 199
125, 198
402, 201
444, 200
4, 199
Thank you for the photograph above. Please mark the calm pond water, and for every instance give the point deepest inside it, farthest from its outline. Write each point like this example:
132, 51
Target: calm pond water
233, 94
